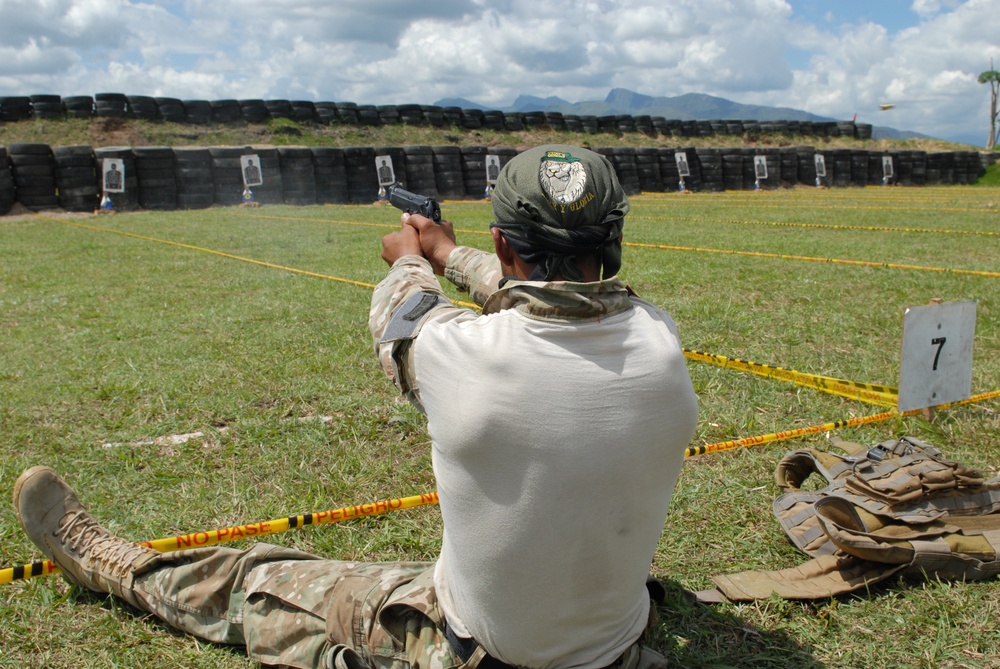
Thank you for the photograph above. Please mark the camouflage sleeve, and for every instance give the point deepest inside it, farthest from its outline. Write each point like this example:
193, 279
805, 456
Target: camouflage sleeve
409, 276
474, 272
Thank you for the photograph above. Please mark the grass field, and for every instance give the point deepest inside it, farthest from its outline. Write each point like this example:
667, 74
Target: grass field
250, 327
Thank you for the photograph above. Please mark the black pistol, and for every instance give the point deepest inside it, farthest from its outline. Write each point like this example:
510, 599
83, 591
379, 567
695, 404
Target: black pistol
415, 204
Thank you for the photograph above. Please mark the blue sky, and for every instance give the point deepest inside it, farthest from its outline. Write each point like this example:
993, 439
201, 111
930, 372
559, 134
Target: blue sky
834, 59
893, 14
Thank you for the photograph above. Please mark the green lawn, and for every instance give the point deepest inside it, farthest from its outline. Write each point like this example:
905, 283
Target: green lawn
119, 331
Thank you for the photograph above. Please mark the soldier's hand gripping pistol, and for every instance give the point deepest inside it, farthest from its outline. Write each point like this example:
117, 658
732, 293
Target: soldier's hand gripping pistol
415, 204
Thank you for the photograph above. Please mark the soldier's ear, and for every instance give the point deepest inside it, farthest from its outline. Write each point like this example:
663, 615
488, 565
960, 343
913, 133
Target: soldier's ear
502, 248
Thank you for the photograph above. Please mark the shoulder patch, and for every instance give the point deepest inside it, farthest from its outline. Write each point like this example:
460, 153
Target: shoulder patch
406, 319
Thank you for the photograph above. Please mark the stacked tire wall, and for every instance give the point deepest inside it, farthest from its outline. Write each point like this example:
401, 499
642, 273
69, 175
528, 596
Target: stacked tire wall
203, 112
41, 177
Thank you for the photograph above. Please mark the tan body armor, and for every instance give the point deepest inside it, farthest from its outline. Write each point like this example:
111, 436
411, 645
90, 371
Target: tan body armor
899, 507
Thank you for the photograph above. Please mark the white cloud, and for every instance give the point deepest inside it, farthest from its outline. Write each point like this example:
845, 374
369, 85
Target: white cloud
927, 8
395, 51
928, 71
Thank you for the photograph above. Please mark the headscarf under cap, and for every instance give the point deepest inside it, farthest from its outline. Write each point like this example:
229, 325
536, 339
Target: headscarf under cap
556, 202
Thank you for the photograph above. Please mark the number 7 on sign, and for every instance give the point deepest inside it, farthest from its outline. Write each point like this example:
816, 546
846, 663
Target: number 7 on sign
939, 342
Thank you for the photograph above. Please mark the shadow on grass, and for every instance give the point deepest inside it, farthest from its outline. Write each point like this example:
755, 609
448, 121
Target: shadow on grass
703, 636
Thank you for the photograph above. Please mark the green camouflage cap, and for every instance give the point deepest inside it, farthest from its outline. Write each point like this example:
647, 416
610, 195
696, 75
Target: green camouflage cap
556, 202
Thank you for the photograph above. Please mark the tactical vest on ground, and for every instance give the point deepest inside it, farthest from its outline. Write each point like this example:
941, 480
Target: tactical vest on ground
899, 507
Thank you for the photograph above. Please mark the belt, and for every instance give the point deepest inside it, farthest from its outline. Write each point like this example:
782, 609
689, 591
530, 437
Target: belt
465, 647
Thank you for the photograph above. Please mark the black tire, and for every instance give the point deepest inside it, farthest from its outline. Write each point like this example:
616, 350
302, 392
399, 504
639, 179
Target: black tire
859, 168
449, 177
647, 162
841, 167
644, 124
623, 160
733, 169
7, 197
513, 121
710, 162
434, 115
33, 171
590, 124
47, 107
606, 124
279, 108
331, 175
368, 115
303, 111
111, 105
254, 111
15, 108
226, 111
388, 114
411, 114
533, 119
555, 121
418, 174
143, 107
171, 109
227, 178
474, 170
347, 112
197, 112
298, 177
669, 176
326, 112
472, 119
79, 106
789, 166
806, 165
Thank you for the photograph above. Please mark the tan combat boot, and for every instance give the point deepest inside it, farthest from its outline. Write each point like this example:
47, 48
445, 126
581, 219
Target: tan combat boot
55, 520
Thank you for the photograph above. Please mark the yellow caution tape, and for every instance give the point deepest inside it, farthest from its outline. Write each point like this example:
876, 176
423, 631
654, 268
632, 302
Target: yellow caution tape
212, 537
836, 261
865, 392
223, 535
824, 427
825, 226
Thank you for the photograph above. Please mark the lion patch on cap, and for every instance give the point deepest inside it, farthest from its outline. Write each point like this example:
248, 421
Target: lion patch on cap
563, 176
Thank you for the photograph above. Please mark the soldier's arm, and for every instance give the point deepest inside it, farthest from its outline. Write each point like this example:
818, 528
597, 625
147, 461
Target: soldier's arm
402, 303
473, 271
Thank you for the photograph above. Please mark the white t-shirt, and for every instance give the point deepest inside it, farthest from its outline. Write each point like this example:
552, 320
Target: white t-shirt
555, 447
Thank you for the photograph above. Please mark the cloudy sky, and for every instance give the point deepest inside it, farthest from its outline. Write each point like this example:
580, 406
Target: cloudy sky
835, 58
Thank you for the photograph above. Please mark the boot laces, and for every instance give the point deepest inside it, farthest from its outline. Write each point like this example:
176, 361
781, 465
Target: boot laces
79, 531
81, 534
115, 556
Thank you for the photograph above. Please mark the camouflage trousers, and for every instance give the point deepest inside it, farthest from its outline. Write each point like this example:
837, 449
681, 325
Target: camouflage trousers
289, 608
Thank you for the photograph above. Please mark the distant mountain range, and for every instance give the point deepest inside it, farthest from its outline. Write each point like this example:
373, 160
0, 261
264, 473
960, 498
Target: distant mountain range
687, 107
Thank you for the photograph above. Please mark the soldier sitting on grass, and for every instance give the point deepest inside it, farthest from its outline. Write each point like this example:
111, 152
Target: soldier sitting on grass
558, 416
